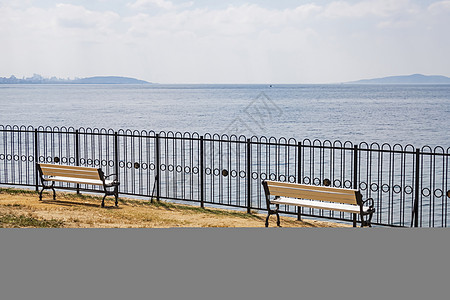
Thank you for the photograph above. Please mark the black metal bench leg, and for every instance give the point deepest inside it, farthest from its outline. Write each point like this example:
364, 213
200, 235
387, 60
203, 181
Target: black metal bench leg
278, 216
40, 193
267, 219
366, 223
103, 201
278, 220
273, 212
354, 220
369, 220
116, 195
44, 187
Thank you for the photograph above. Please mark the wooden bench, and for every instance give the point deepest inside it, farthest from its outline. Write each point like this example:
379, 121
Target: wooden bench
320, 197
80, 175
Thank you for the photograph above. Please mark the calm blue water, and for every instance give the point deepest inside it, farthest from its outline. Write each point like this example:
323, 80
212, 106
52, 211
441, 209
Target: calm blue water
404, 114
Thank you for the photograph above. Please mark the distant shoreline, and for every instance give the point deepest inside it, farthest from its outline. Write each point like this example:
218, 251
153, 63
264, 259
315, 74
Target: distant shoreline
406, 79
415, 79
37, 79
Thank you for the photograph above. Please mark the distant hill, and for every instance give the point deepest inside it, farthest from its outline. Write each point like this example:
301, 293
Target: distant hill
38, 79
108, 80
407, 79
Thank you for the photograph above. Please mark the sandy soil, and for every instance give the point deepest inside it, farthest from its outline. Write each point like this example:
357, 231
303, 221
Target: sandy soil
84, 211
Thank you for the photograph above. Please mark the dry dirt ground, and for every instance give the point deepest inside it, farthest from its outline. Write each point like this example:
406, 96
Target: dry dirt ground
22, 208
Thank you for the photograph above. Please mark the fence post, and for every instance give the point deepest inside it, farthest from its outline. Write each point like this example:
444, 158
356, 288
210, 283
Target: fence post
415, 215
355, 176
77, 153
77, 147
202, 172
249, 177
36, 158
299, 176
355, 167
157, 167
116, 155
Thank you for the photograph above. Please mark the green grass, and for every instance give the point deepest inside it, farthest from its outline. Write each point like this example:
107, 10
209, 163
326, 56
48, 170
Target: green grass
10, 220
12, 191
14, 205
83, 196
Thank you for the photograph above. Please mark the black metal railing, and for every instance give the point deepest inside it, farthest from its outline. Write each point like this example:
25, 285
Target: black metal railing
410, 185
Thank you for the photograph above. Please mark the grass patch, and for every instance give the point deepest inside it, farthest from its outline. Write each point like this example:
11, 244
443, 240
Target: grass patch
74, 195
12, 191
21, 221
190, 208
14, 205
157, 204
88, 197
196, 209
83, 196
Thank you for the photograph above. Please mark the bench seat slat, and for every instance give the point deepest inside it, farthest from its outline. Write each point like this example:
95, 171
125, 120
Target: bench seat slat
65, 167
271, 184
319, 205
70, 173
79, 180
329, 195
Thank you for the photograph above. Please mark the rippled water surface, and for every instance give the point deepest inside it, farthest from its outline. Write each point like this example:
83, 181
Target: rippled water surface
404, 114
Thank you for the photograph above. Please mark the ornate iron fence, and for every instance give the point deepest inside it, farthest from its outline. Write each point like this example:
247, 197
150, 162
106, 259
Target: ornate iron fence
410, 185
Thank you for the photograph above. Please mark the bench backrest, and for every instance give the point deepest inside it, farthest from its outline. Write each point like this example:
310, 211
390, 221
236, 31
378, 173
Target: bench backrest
70, 171
311, 192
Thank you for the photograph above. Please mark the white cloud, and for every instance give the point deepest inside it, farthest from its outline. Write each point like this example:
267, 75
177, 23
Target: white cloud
61, 16
377, 8
158, 3
395, 24
306, 10
441, 7
72, 16
164, 4
235, 21
61, 40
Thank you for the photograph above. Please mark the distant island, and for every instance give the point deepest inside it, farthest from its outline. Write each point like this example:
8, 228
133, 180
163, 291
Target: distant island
38, 79
407, 79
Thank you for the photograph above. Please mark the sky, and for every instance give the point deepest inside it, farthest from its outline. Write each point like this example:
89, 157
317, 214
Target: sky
237, 41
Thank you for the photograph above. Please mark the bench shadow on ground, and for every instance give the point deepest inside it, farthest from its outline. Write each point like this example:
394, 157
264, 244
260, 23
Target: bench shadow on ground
308, 223
69, 203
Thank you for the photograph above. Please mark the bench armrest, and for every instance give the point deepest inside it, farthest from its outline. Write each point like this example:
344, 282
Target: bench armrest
115, 181
369, 202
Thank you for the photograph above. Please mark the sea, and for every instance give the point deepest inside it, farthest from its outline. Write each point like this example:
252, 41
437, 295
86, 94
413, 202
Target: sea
415, 115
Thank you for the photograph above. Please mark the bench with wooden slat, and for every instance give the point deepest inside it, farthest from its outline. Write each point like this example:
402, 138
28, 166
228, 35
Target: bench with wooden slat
79, 175
319, 197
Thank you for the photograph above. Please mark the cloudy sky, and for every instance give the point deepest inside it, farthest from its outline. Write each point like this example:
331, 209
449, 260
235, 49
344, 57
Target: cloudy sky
238, 41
